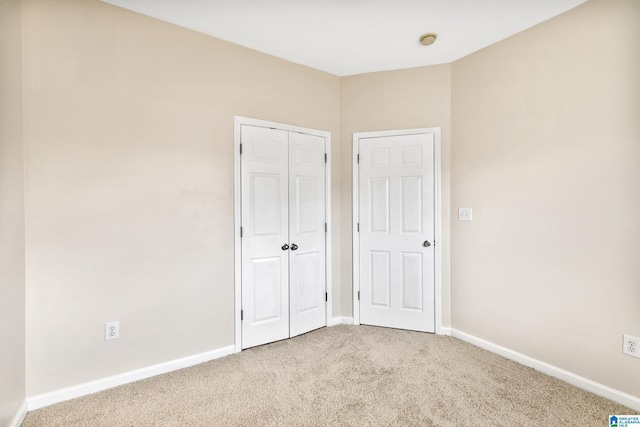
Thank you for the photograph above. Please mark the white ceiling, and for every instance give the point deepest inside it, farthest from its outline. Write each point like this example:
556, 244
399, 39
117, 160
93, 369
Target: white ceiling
345, 37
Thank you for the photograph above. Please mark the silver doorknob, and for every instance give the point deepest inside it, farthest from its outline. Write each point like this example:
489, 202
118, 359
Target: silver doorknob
426, 244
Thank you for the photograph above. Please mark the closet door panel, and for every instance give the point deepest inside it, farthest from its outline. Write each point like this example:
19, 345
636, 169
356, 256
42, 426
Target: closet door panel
307, 232
265, 219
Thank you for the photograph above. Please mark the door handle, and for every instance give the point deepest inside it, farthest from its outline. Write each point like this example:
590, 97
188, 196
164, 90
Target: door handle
426, 244
285, 247
294, 247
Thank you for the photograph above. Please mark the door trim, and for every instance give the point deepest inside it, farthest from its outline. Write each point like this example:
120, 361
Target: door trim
237, 220
436, 131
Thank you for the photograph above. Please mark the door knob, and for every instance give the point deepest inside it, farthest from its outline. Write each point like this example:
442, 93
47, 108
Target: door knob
426, 244
294, 247
285, 247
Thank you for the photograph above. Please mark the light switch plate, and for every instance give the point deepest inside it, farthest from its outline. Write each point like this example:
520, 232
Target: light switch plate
464, 214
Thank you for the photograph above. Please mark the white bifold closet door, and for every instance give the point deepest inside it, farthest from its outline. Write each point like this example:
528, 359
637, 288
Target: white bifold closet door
283, 234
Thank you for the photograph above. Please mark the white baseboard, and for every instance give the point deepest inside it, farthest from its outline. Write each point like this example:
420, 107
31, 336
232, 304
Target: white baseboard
80, 390
620, 397
20, 415
340, 320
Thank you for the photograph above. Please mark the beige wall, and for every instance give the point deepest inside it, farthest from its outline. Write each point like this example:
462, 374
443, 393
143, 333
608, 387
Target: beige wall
403, 99
129, 181
12, 284
129, 154
546, 150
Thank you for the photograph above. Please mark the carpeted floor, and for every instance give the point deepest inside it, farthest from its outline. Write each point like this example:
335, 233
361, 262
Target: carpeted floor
343, 376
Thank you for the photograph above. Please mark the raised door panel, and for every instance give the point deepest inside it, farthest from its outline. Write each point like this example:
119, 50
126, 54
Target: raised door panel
265, 193
379, 209
380, 279
307, 205
265, 287
411, 204
412, 281
307, 280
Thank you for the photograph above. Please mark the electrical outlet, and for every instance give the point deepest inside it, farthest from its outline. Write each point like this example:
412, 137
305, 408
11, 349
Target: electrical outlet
631, 346
112, 331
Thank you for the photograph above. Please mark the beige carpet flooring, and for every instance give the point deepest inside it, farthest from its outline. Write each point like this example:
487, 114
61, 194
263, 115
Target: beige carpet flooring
343, 376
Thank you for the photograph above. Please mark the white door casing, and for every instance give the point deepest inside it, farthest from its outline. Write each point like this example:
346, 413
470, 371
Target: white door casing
282, 198
396, 209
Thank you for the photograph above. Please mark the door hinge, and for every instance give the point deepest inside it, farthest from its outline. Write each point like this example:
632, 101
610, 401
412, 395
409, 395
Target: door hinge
241, 315
358, 295
240, 231
358, 227
241, 149
326, 227
326, 296
325, 157
358, 159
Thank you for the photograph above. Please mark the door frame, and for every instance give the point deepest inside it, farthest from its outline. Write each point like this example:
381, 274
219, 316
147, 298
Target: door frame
436, 131
237, 185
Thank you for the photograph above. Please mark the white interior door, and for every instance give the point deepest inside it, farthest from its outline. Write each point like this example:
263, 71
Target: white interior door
397, 229
306, 232
265, 229
283, 253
